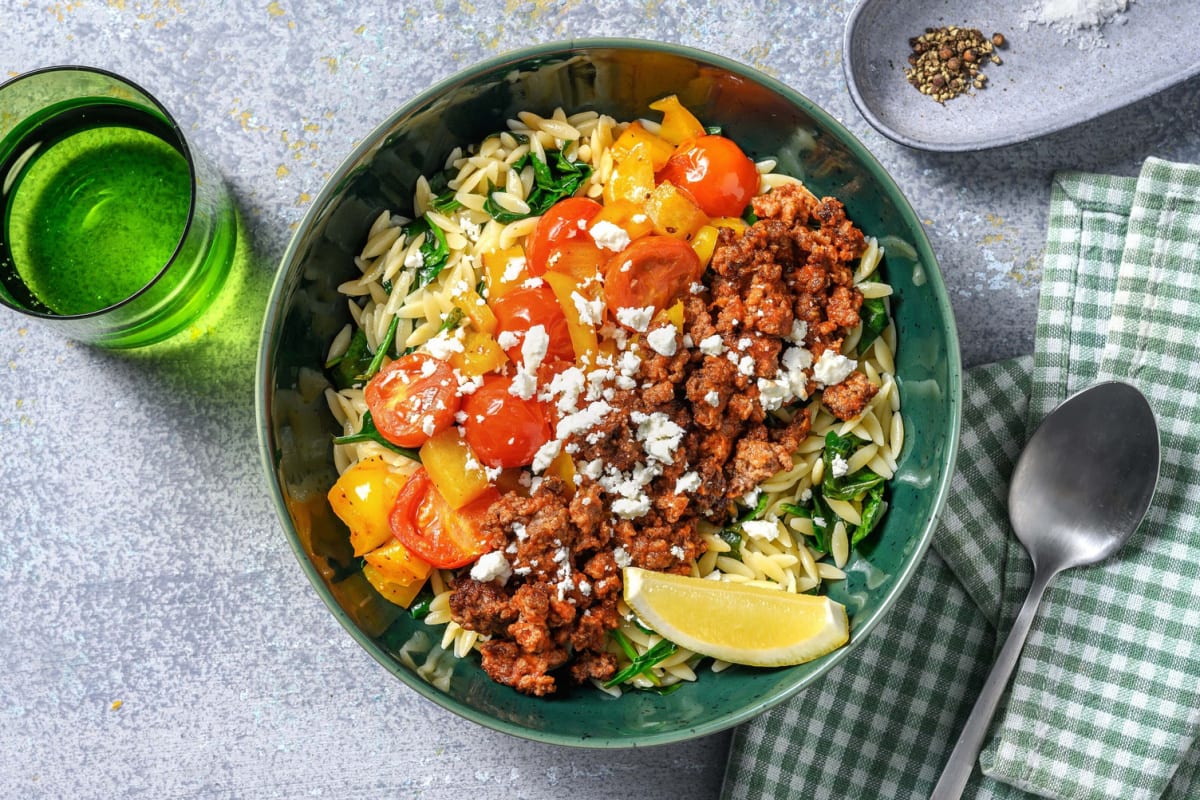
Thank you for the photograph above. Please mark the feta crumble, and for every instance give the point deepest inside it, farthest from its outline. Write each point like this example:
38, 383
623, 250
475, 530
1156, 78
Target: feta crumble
833, 368
609, 236
492, 566
762, 529
636, 318
662, 340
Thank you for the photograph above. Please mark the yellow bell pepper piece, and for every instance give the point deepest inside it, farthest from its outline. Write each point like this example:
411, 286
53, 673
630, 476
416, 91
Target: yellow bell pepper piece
394, 562
496, 266
673, 213
363, 498
481, 354
563, 466
736, 224
583, 334
658, 148
630, 217
476, 310
453, 468
704, 243
632, 177
678, 124
398, 593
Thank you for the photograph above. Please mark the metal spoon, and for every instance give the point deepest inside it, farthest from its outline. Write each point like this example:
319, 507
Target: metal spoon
1078, 491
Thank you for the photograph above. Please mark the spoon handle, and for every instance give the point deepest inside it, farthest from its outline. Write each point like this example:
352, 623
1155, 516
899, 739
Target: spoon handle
962, 760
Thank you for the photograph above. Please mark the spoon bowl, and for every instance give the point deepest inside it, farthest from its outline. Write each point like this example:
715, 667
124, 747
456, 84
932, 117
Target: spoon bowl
1084, 481
1079, 490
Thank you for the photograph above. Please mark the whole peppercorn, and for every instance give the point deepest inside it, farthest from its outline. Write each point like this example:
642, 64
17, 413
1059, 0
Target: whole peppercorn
946, 62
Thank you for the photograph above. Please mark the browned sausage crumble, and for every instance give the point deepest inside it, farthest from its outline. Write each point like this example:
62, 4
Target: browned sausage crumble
674, 430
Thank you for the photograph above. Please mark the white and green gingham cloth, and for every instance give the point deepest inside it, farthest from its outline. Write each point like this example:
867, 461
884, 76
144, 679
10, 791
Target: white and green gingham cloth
1105, 702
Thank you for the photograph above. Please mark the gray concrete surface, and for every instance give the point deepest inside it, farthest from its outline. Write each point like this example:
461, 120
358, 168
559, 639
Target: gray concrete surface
157, 638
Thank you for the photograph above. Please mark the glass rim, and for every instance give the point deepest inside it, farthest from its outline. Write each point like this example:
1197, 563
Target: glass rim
184, 149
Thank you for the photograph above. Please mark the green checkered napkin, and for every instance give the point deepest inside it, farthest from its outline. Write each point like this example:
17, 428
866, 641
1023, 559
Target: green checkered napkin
1106, 700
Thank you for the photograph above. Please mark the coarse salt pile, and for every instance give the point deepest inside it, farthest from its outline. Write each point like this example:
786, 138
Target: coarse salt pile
1079, 20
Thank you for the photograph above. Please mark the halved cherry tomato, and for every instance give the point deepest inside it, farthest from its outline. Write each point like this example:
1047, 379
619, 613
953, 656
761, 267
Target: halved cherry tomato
523, 308
423, 522
567, 219
715, 172
653, 271
503, 429
412, 398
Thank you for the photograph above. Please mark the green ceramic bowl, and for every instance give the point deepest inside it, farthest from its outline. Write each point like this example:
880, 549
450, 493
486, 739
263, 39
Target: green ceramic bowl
618, 77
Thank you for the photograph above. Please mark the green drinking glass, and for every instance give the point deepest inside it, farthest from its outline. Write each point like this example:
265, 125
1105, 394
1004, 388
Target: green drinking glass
113, 229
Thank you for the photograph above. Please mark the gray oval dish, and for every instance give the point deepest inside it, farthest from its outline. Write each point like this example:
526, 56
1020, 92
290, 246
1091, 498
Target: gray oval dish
1046, 83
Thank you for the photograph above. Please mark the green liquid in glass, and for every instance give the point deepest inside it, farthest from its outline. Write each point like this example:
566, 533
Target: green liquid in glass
98, 210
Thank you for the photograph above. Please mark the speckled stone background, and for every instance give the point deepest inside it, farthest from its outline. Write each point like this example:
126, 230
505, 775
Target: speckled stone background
157, 638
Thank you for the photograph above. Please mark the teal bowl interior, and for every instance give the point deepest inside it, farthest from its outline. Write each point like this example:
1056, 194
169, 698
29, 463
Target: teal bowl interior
618, 78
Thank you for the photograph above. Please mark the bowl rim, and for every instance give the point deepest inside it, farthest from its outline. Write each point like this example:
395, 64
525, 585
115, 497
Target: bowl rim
272, 317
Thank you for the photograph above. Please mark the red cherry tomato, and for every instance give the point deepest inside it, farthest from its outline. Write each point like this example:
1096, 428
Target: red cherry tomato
521, 309
565, 220
715, 172
653, 271
423, 522
412, 398
502, 429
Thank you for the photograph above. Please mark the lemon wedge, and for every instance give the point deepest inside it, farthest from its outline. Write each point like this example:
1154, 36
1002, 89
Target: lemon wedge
740, 624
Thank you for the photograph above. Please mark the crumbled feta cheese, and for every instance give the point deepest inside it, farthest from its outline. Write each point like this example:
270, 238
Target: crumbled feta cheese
513, 269
806, 495
773, 393
591, 312
744, 343
631, 508
621, 556
469, 229
508, 339
833, 368
413, 258
712, 345
636, 318
687, 482
660, 437
582, 421
519, 531
546, 455
628, 363
696, 288
609, 236
798, 332
567, 386
535, 346
746, 366
532, 283
444, 345
839, 466
763, 529
492, 566
524, 385
678, 552
713, 398
428, 368
662, 340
